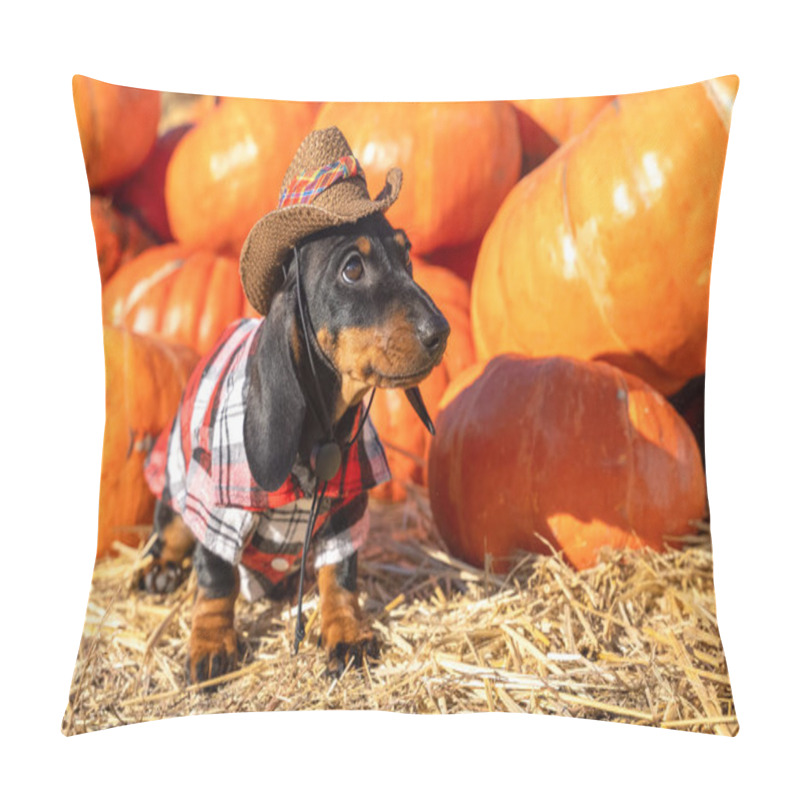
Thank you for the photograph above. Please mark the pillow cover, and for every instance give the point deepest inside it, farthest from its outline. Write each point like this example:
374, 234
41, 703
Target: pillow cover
548, 550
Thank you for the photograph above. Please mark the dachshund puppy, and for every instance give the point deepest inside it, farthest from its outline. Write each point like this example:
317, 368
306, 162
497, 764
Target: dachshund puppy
235, 474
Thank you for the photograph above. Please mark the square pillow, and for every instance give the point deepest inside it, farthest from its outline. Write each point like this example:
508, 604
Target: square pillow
548, 549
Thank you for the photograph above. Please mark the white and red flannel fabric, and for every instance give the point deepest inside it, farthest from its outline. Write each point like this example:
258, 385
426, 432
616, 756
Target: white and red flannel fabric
198, 467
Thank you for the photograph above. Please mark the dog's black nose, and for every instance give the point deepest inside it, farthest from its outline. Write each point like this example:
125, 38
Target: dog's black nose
432, 332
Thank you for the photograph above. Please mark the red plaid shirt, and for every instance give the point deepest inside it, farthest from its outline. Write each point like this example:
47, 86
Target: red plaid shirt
198, 466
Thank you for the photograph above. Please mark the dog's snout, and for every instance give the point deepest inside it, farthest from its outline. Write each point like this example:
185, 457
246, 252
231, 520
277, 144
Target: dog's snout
432, 332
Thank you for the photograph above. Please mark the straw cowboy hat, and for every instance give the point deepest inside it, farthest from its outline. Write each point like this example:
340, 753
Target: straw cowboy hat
324, 187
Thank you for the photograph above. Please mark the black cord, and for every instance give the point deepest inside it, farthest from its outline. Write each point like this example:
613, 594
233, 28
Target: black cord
326, 422
300, 627
361, 422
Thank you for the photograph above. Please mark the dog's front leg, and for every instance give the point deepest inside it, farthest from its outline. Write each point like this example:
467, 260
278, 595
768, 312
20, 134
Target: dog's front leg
213, 645
345, 635
169, 551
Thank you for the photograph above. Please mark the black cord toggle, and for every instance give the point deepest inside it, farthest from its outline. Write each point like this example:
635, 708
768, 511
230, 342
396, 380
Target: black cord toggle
326, 461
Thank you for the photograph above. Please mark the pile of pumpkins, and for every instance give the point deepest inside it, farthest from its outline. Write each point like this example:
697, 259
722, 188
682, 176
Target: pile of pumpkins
568, 242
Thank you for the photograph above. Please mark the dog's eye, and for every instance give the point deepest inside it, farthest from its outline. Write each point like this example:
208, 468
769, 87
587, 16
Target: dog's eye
353, 269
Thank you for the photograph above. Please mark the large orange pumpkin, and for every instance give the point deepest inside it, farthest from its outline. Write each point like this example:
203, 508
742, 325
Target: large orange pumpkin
226, 173
118, 237
394, 418
118, 127
459, 161
184, 296
578, 453
144, 381
604, 251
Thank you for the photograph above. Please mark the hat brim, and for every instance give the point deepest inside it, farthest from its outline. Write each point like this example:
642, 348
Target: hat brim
273, 237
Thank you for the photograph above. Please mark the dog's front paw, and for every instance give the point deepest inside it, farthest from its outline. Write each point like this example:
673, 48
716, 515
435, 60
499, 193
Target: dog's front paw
166, 559
346, 638
213, 644
344, 634
161, 577
213, 651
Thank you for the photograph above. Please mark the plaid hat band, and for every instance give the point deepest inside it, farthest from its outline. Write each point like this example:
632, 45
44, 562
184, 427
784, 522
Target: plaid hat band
323, 187
304, 188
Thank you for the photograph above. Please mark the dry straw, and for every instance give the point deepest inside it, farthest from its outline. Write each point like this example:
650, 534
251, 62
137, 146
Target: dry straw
634, 639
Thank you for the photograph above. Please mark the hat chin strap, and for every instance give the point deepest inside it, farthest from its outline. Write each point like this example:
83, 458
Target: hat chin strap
418, 404
323, 415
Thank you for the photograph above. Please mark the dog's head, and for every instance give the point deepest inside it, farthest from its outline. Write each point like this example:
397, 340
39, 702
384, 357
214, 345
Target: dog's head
368, 324
371, 320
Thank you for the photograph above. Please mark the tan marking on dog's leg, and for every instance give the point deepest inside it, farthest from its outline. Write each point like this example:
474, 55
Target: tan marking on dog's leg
178, 540
213, 648
344, 632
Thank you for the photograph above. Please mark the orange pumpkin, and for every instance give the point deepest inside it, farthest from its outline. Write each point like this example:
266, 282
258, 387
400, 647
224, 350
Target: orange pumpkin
226, 173
604, 251
142, 195
144, 381
577, 453
396, 422
459, 160
118, 237
178, 294
118, 127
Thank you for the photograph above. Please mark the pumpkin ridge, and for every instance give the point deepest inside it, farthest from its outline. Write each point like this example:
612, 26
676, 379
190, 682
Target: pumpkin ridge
197, 321
505, 287
172, 357
143, 287
579, 261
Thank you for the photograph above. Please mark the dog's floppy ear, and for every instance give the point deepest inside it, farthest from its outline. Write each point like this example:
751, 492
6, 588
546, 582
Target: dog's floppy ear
274, 406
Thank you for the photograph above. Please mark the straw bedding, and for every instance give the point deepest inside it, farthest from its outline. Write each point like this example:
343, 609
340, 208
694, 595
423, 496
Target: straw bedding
634, 639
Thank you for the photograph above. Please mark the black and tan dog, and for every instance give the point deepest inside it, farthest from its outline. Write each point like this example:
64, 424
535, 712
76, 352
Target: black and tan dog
342, 315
